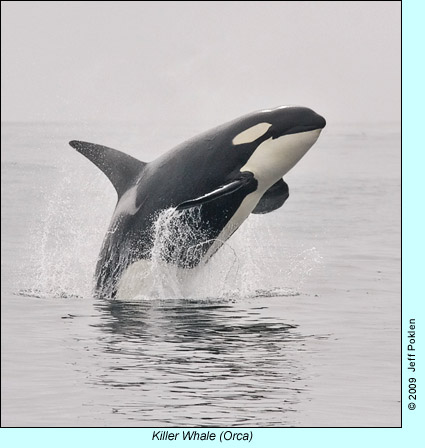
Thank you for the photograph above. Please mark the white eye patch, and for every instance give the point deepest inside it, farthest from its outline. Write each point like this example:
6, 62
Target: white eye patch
251, 134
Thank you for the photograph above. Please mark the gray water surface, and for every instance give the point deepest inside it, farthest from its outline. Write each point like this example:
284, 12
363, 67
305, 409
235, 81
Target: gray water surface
296, 322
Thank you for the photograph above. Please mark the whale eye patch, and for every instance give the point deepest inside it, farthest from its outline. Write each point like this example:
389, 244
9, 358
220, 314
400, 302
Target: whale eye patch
251, 134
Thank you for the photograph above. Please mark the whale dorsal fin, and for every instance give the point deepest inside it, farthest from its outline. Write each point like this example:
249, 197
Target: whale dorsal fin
273, 198
121, 169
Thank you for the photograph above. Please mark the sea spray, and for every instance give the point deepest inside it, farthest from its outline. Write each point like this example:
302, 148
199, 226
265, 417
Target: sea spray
255, 262
178, 242
65, 239
248, 265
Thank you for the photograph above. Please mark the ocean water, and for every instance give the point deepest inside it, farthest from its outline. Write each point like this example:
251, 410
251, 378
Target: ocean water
295, 322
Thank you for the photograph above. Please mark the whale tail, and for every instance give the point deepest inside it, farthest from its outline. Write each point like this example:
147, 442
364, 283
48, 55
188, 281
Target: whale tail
121, 169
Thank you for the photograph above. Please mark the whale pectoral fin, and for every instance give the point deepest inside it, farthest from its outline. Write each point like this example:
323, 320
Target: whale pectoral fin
273, 198
246, 181
121, 169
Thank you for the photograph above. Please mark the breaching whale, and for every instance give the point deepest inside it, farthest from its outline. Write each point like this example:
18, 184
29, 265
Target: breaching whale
214, 181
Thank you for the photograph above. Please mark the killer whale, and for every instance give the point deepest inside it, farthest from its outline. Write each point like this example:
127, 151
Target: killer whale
223, 175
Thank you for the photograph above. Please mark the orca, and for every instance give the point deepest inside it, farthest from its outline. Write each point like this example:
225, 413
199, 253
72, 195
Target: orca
212, 182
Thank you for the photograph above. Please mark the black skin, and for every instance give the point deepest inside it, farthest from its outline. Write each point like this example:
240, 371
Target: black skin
176, 179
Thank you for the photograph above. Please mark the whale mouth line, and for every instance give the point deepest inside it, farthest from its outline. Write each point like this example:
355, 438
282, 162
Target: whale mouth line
299, 129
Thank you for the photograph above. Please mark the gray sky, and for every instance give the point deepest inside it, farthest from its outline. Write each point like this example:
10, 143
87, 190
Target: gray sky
134, 61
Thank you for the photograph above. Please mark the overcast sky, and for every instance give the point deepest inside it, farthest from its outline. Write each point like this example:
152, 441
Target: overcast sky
132, 61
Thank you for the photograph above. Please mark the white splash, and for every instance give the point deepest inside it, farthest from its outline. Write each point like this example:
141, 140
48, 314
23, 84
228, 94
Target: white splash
254, 262
248, 265
66, 240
